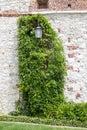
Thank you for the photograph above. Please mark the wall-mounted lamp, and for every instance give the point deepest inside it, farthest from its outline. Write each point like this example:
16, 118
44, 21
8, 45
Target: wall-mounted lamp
38, 31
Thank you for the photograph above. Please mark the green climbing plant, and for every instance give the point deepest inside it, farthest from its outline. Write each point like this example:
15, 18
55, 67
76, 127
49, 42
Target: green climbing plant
42, 68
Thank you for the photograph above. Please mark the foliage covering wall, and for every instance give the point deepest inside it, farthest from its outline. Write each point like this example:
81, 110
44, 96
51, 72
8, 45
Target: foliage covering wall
42, 68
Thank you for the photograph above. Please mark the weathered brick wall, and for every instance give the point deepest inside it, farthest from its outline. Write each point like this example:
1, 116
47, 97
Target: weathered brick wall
61, 5
68, 4
25, 6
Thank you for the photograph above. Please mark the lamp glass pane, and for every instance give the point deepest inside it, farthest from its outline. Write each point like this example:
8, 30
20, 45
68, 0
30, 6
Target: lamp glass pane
38, 32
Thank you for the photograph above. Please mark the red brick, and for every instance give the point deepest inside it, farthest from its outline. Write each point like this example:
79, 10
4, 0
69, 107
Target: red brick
59, 30
78, 95
74, 47
70, 89
71, 55
70, 67
69, 39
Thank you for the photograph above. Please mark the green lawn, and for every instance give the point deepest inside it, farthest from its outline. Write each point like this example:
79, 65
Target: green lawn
18, 126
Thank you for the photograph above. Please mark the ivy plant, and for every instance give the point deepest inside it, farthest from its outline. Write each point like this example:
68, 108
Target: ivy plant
42, 67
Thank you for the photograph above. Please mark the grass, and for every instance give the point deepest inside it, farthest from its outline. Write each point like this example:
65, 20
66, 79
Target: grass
21, 126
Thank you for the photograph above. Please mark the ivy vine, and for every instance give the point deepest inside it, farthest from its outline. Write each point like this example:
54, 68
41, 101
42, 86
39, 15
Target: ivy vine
42, 67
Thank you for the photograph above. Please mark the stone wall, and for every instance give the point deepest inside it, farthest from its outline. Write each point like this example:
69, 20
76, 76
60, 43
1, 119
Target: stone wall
9, 93
26, 6
8, 64
72, 28
62, 5
17, 5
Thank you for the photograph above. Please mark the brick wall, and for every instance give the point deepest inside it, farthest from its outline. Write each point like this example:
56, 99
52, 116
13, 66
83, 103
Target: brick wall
68, 4
61, 5
26, 6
